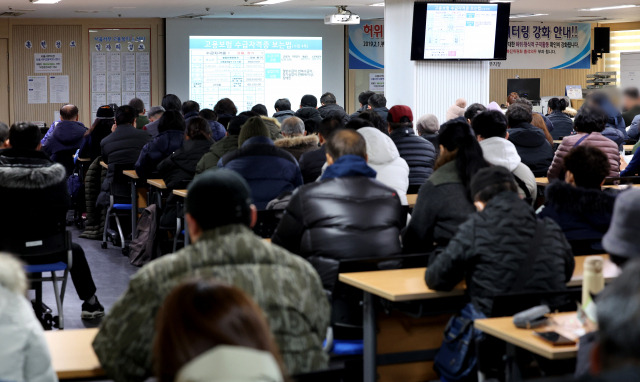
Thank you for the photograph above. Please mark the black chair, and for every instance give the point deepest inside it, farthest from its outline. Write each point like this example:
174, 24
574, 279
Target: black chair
119, 202
65, 158
267, 223
509, 304
586, 247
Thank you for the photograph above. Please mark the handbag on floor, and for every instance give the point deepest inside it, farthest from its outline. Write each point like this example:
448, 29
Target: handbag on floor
144, 247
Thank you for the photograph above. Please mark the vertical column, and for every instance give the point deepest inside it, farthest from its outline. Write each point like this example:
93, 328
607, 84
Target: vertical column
399, 70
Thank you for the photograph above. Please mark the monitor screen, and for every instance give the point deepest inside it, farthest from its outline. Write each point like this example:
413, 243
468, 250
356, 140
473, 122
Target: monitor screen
528, 88
459, 31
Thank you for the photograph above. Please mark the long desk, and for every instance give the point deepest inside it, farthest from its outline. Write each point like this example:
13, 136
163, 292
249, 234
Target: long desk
72, 354
399, 285
543, 182
157, 183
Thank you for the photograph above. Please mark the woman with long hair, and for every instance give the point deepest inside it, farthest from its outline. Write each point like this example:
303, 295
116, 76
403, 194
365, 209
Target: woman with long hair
538, 121
208, 331
444, 201
100, 129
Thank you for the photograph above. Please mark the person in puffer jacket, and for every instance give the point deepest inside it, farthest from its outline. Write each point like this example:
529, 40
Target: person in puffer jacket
67, 137
614, 119
332, 219
532, 145
489, 249
562, 123
589, 123
218, 131
169, 139
419, 153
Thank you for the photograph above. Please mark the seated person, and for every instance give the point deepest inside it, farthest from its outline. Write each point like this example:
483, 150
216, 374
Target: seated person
270, 171
490, 248
332, 219
123, 146
169, 102
579, 206
99, 130
24, 354
4, 136
622, 241
491, 130
283, 110
311, 163
296, 141
209, 331
272, 124
66, 138
218, 131
190, 109
36, 202
531, 143
285, 287
562, 123
169, 139
631, 104
589, 123
141, 120
428, 127
615, 127
444, 201
309, 109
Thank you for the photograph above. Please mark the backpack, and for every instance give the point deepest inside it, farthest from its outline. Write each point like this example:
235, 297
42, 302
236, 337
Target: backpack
144, 247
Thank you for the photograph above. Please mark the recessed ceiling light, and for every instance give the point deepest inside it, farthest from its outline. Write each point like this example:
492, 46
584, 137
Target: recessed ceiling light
45, 1
608, 8
521, 15
377, 5
270, 2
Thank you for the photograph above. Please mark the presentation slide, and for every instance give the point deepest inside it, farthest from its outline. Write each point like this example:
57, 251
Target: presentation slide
460, 31
253, 70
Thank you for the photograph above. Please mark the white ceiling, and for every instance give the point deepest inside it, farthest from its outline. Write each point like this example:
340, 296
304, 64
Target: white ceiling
558, 10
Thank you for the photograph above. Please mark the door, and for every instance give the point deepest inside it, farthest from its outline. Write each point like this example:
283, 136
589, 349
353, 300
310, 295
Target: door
4, 81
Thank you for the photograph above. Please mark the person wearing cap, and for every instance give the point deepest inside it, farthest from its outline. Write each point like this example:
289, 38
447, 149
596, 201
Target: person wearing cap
490, 248
419, 153
309, 109
269, 170
155, 113
428, 127
622, 241
66, 138
100, 129
285, 286
141, 119
347, 214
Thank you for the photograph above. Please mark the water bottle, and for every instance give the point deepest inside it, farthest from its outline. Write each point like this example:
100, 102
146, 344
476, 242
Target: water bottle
593, 279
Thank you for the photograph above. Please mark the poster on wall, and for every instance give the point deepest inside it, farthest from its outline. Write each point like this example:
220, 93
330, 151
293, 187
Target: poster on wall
48, 62
547, 46
36, 89
366, 45
376, 82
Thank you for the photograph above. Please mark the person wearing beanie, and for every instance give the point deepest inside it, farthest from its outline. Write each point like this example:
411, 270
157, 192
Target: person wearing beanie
347, 214
309, 109
220, 214
457, 110
503, 248
622, 241
420, 154
428, 127
269, 170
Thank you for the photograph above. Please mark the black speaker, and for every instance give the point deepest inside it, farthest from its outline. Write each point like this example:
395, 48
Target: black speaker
601, 40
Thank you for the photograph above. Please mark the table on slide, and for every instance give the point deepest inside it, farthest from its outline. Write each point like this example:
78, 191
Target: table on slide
72, 354
398, 285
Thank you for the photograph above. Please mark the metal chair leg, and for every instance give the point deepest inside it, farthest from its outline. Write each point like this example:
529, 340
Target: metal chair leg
122, 241
56, 292
178, 231
106, 227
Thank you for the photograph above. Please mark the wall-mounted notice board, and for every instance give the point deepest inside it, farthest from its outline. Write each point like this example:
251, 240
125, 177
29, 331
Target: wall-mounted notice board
120, 66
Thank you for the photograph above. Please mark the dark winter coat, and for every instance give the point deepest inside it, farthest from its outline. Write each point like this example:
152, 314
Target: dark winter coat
90, 147
298, 145
333, 110
383, 112
306, 113
419, 154
442, 205
562, 125
270, 171
152, 128
332, 219
218, 132
433, 138
488, 250
157, 150
217, 151
630, 114
283, 114
95, 215
311, 164
534, 149
68, 135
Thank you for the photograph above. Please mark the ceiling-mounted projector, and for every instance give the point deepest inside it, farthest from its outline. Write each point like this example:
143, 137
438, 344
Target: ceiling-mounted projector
343, 17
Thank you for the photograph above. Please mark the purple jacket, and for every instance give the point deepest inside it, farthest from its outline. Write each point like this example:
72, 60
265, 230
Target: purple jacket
65, 135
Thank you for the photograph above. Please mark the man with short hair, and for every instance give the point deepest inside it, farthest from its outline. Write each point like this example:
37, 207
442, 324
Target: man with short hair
219, 216
283, 110
491, 131
378, 103
66, 137
419, 153
531, 143
4, 135
309, 109
631, 105
296, 141
349, 229
270, 171
311, 163
190, 109
272, 124
155, 113
473, 110
363, 99
141, 120
330, 108
529, 105
34, 190
169, 102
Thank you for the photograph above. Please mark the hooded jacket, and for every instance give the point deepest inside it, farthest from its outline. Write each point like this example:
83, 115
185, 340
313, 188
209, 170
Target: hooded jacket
532, 146
217, 151
307, 112
500, 152
180, 166
333, 110
67, 136
419, 154
384, 158
595, 140
332, 219
311, 164
24, 354
298, 145
489, 248
270, 171
284, 286
274, 127
218, 131
283, 114
155, 151
562, 124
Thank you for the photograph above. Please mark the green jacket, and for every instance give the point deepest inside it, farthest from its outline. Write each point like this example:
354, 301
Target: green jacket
218, 149
141, 121
285, 286
275, 132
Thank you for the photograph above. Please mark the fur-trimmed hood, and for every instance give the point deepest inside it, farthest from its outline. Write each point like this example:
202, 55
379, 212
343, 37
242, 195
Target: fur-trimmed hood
29, 170
300, 141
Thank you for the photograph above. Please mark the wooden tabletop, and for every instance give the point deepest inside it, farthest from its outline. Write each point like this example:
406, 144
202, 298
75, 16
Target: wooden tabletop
411, 198
544, 181
130, 173
628, 148
504, 329
409, 285
83, 159
103, 164
72, 354
182, 193
157, 183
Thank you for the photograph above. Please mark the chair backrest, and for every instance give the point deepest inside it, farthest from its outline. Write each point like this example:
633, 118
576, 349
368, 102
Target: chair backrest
65, 158
33, 249
267, 223
509, 304
119, 187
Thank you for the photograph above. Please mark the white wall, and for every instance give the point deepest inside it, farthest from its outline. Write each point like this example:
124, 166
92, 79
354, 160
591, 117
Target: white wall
179, 30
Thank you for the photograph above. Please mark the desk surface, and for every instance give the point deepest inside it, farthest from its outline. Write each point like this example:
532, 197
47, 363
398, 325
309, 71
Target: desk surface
628, 148
103, 164
504, 329
130, 173
83, 159
411, 198
408, 284
157, 183
545, 182
72, 355
182, 193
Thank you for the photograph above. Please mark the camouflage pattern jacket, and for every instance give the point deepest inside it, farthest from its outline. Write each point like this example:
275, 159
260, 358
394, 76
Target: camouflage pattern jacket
285, 286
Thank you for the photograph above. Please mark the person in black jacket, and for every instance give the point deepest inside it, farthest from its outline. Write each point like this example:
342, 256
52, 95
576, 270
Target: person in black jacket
378, 104
330, 108
490, 250
363, 99
532, 145
418, 152
311, 163
169, 139
36, 200
332, 219
309, 109
444, 201
562, 123
99, 130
